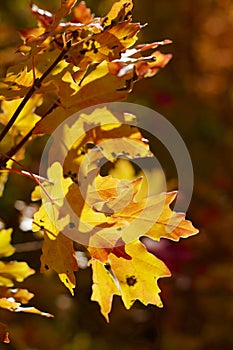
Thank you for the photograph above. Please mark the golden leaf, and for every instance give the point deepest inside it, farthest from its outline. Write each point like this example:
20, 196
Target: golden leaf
6, 249
138, 277
58, 254
103, 288
14, 271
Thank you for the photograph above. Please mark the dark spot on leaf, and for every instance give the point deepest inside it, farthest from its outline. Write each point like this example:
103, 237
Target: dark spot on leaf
83, 51
114, 47
113, 154
95, 50
46, 267
119, 229
125, 37
131, 281
71, 225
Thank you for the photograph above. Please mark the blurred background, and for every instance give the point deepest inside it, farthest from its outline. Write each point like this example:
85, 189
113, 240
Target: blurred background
195, 93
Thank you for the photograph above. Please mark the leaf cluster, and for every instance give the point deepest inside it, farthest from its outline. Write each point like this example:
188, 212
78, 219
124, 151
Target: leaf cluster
70, 65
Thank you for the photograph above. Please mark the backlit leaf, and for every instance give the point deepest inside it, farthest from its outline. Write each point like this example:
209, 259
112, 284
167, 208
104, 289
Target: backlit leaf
27, 118
11, 305
59, 255
138, 277
14, 271
103, 288
134, 279
120, 11
19, 295
6, 249
82, 14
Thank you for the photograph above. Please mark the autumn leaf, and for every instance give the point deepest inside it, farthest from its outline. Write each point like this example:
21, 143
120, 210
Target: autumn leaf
151, 217
101, 85
14, 271
82, 14
120, 11
106, 45
19, 295
57, 251
70, 65
27, 118
16, 83
171, 225
59, 255
65, 9
11, 305
128, 278
6, 249
103, 288
12, 298
4, 335
134, 282
99, 141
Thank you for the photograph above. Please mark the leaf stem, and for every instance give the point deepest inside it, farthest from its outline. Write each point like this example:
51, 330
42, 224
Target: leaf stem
36, 85
17, 147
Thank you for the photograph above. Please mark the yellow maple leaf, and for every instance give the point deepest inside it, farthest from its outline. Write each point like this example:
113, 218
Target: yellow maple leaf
14, 271
103, 288
6, 249
27, 118
58, 252
138, 277
132, 279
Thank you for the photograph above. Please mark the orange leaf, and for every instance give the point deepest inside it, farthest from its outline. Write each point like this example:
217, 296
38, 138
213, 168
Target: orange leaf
19, 295
11, 305
4, 334
120, 11
59, 255
82, 14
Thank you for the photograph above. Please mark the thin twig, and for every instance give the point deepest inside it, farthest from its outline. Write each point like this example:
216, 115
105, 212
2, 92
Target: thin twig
22, 142
36, 85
